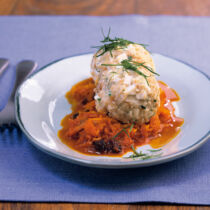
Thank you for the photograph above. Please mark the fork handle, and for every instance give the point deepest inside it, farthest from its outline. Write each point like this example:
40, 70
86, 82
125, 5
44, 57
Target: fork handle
24, 68
3, 64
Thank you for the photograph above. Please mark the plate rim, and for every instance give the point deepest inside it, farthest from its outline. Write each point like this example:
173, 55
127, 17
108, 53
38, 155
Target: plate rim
97, 164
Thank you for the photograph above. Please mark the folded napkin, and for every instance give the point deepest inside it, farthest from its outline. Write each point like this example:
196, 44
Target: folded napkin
27, 174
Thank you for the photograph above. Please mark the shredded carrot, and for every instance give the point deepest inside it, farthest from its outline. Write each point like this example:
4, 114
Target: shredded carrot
90, 132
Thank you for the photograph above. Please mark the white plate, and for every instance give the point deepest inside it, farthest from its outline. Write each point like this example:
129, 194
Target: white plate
40, 106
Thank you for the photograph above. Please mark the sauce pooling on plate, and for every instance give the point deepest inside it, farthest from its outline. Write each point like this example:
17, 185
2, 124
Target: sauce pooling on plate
90, 132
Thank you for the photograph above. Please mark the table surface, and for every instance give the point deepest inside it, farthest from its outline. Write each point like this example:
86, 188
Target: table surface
105, 7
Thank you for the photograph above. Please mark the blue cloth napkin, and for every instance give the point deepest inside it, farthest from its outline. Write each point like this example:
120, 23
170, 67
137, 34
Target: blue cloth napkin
27, 174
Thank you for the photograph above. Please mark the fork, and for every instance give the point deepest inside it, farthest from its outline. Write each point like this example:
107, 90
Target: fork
3, 65
7, 115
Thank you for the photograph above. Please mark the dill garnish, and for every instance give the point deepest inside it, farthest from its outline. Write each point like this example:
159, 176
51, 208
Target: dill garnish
154, 150
113, 72
143, 107
124, 130
131, 128
146, 67
129, 64
144, 156
110, 44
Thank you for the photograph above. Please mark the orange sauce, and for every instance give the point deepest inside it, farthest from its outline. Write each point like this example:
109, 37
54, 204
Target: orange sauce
173, 130
89, 132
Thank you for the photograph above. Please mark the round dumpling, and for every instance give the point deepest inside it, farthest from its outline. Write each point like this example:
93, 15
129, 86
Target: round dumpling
124, 94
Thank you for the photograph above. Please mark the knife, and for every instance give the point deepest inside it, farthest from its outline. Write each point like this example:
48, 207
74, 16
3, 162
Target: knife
24, 68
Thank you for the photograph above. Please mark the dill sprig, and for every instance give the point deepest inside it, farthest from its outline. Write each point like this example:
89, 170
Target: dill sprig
144, 156
131, 128
125, 131
146, 67
154, 150
110, 44
129, 64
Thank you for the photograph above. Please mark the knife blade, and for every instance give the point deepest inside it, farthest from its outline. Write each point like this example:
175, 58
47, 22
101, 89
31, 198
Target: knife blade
24, 68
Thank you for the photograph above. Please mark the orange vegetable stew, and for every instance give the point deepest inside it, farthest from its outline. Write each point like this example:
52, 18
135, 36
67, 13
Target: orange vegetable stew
88, 131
